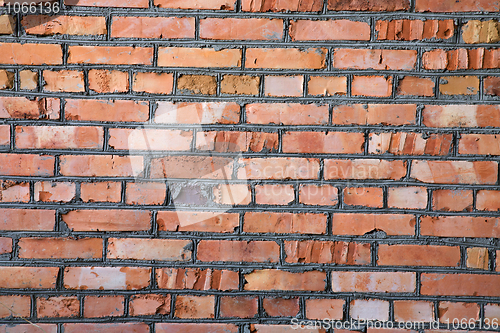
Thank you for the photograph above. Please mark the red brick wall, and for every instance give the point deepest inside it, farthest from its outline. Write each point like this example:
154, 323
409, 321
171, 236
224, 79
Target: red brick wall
226, 166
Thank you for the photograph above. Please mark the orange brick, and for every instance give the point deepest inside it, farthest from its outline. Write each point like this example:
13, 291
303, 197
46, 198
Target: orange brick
198, 57
152, 27
15, 306
408, 30
448, 311
99, 165
364, 169
206, 279
4, 136
56, 307
26, 165
273, 279
240, 85
194, 307
232, 141
371, 309
149, 249
281, 307
459, 226
59, 137
30, 54
284, 223
488, 200
282, 86
404, 143
278, 6
104, 278
323, 143
29, 80
5, 245
322, 195
48, 191
418, 255
108, 81
460, 284
56, 81
278, 168
11, 191
325, 308
459, 85
108, 328
492, 85
411, 197
455, 172
416, 86
325, 252
64, 25
329, 30
360, 224
479, 144
463, 6
381, 282
327, 85
17, 277
101, 192
238, 251
452, 200
196, 4
373, 114
376, 86
287, 114
27, 219
239, 306
290, 58
153, 83
149, 304
24, 108
197, 113
364, 196
478, 258
149, 139
374, 59
110, 55
103, 306
103, 110
461, 115
145, 193
109, 3
108, 220
275, 194
197, 221
241, 29
413, 311
371, 5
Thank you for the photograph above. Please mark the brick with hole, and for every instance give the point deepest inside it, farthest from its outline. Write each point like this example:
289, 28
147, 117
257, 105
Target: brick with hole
149, 305
238, 307
108, 81
57, 306
238, 251
103, 306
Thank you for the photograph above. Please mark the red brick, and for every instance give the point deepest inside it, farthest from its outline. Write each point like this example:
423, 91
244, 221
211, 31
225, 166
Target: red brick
279, 6
103, 110
197, 113
278, 168
364, 169
364, 196
418, 255
404, 143
460, 226
106, 328
452, 200
108, 3
21, 107
197, 221
100, 165
370, 5
59, 137
239, 306
56, 307
284, 223
460, 285
453, 7
232, 141
274, 194
241, 29
281, 307
101, 192
325, 252
455, 172
196, 4
145, 193
198, 57
4, 136
287, 114
327, 85
195, 327
272, 279
27, 219
479, 144
110, 55
108, 220
15, 306
488, 200
322, 195
461, 115
108, 81
374, 59
411, 197
104, 278
492, 85
30, 54
238, 251
153, 83
289, 58
416, 86
28, 277
262, 328
11, 191
374, 282
60, 248
283, 86
192, 167
64, 25
409, 30
413, 311
373, 114
28, 328
448, 311
149, 305
360, 224
194, 307
323, 143
103, 306
197, 279
152, 27
435, 59
26, 165
325, 308
458, 59
329, 30
376, 86
149, 249
5, 245
371, 309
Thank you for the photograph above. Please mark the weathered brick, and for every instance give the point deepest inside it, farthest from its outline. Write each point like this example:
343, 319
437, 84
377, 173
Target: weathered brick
197, 279
290, 58
411, 197
196, 4
119, 278
105, 328
380, 282
152, 27
198, 57
448, 311
274, 194
364, 196
241, 29
404, 143
195, 327
108, 81
29, 80
30, 54
197, 113
408, 30
375, 86
478, 258
279, 6
192, 167
272, 279
492, 85
6, 79
108, 3
283, 86
27, 219
59, 137
103, 306
26, 165
413, 311
369, 309
150, 304
60, 248
100, 165
107, 220
364, 169
370, 5
281, 307
325, 308
455, 172
374, 114
452, 200
64, 25
416, 86
11, 191
15, 306
327, 85
7, 24
110, 55
374, 59
149, 249
481, 32
488, 200
26, 277
232, 141
418, 255
149, 139
460, 284
459, 85
21, 107
105, 110
459, 226
237, 194
145, 193
284, 223
197, 84
479, 144
238, 306
194, 307
461, 115
57, 306
462, 6
5, 245
238, 251
287, 114
323, 143
197, 221
153, 83
322, 195
329, 30
325, 252
240, 85
100, 192
360, 224
278, 168
28, 328
492, 311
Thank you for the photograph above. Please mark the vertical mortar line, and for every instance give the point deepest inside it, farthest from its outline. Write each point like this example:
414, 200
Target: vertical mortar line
412, 6
154, 224
374, 248
455, 143
243, 57
329, 224
286, 30
321, 176
418, 283
218, 78
12, 145
481, 88
32, 191
481, 313
174, 88
105, 245
417, 226
436, 310
429, 199
240, 222
302, 307
173, 298
237, 7
196, 28
463, 256
126, 305
372, 21
395, 83
156, 50
105, 145
123, 192
131, 74
385, 196
62, 112
217, 306
82, 300
474, 199
194, 253
391, 310
330, 112
324, 9
367, 142
305, 83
